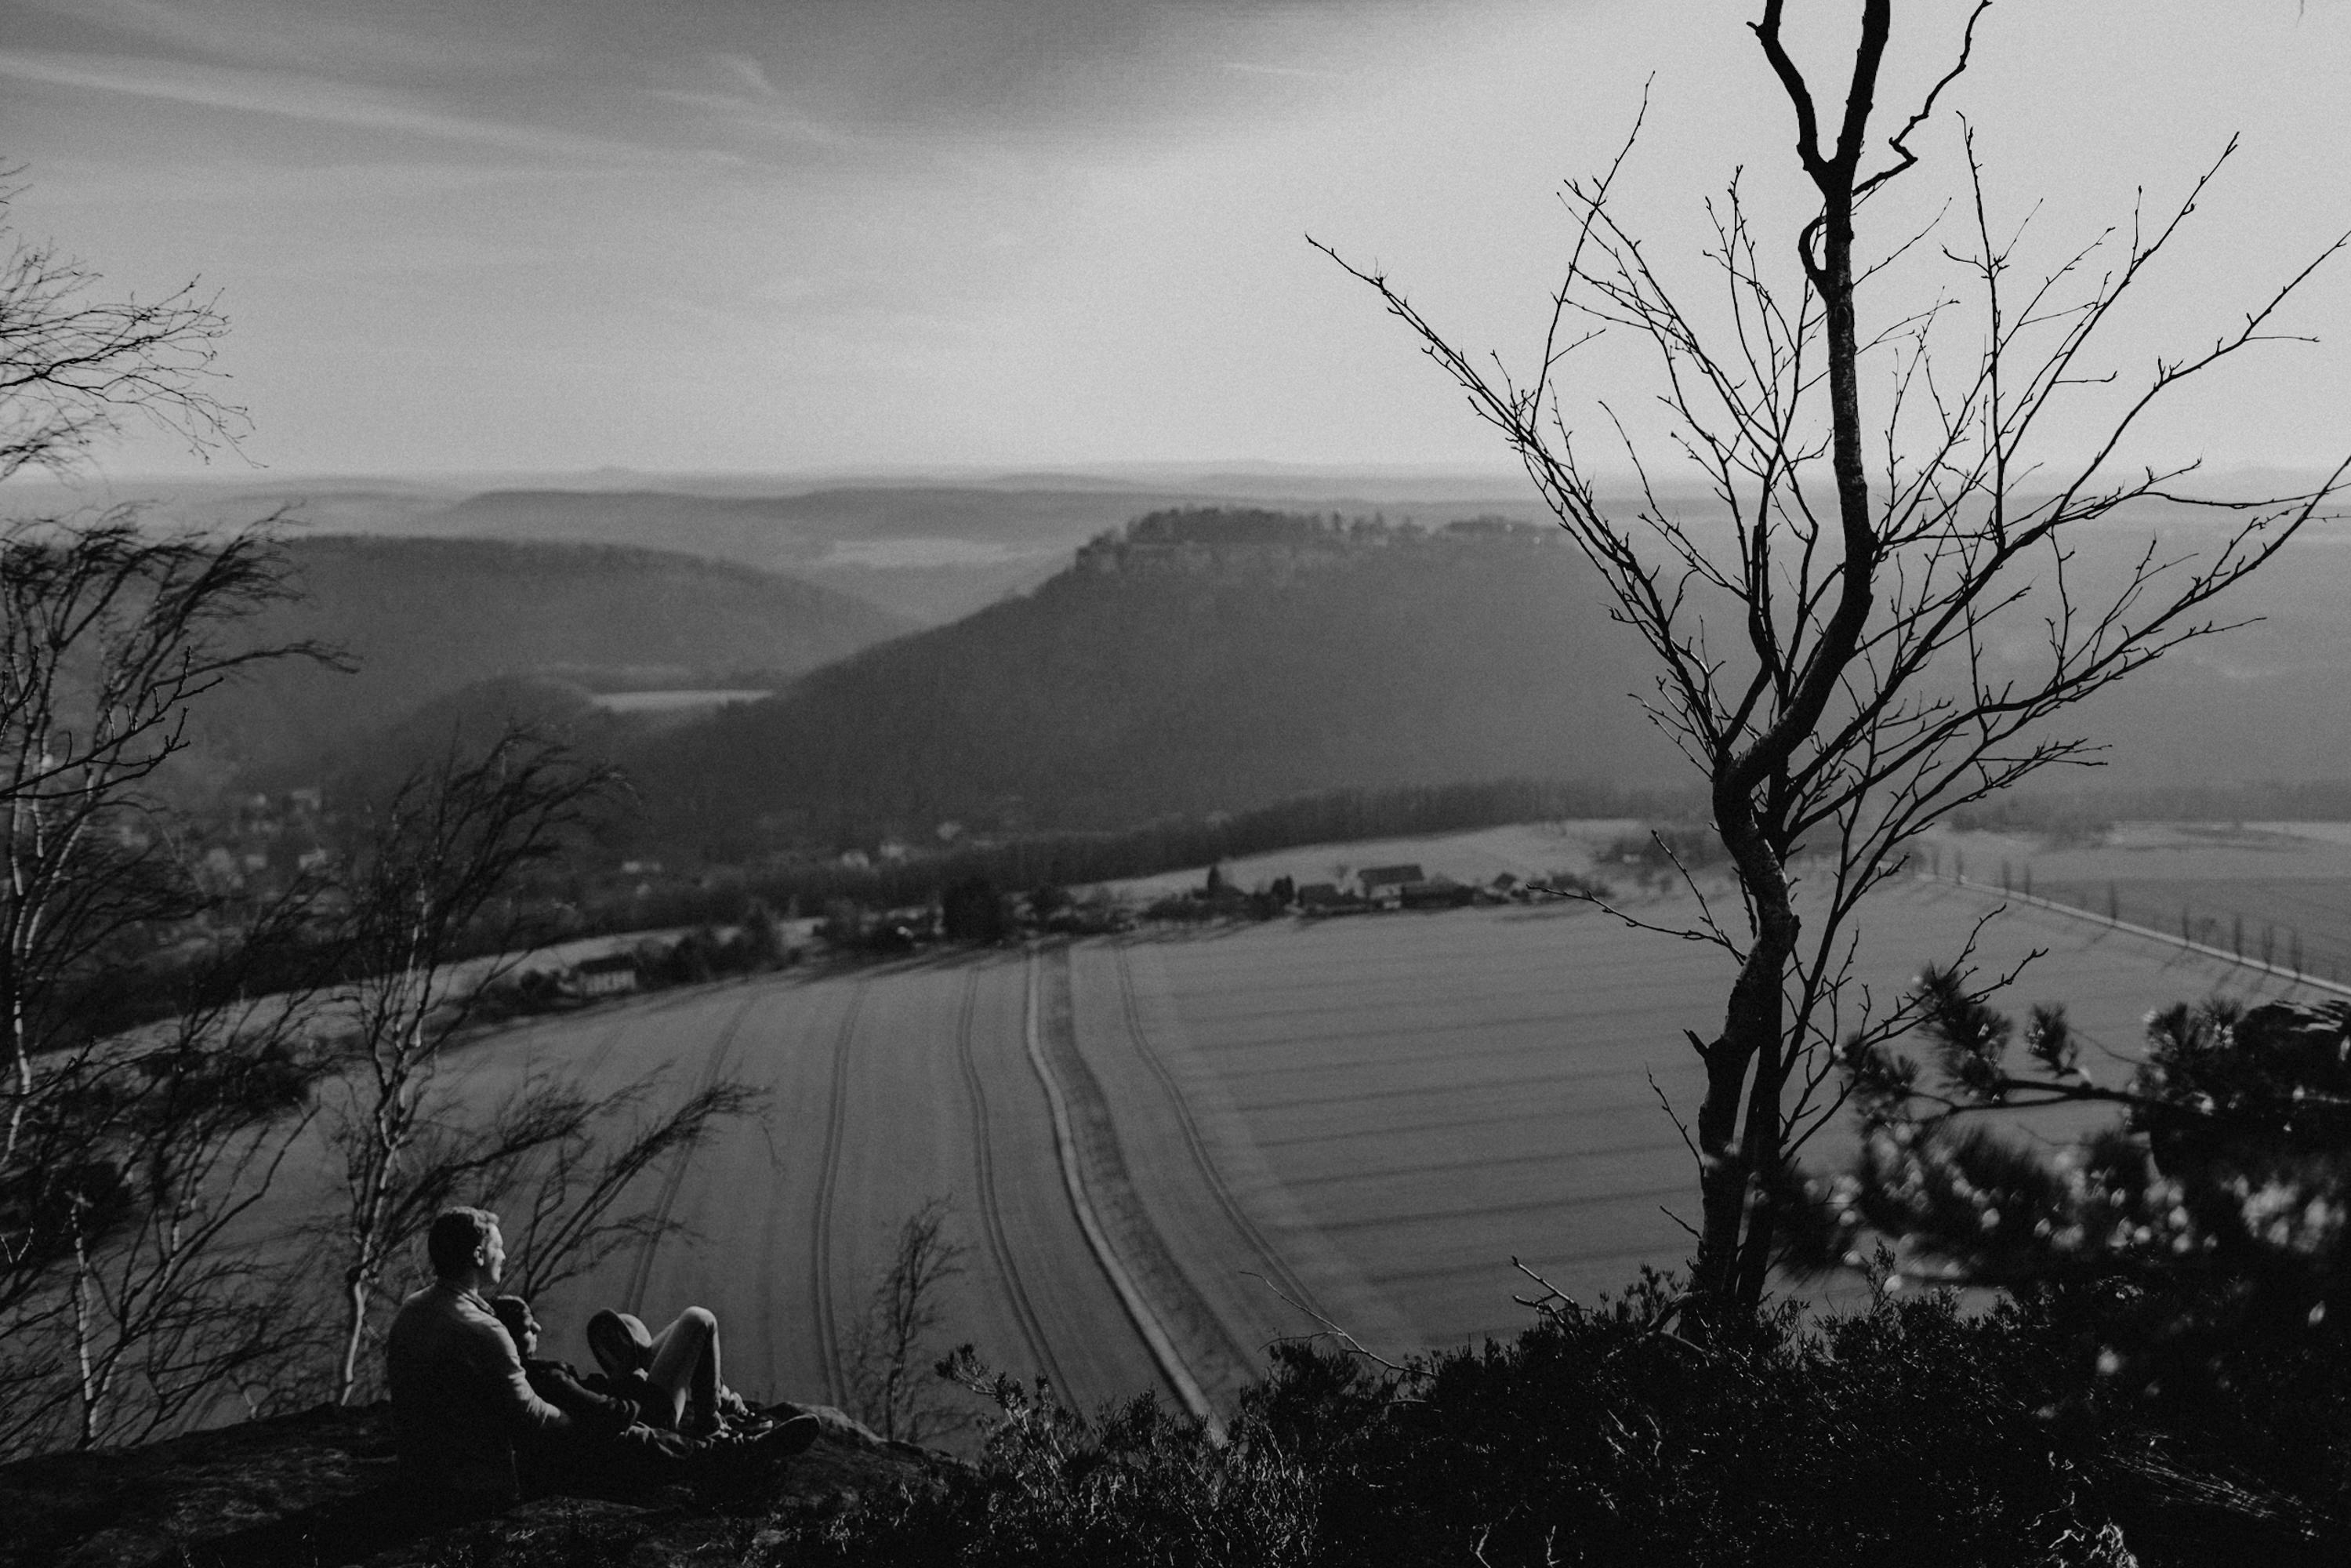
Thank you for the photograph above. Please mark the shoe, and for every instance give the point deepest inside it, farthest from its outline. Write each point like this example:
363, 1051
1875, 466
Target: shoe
732, 1460
780, 1440
786, 1439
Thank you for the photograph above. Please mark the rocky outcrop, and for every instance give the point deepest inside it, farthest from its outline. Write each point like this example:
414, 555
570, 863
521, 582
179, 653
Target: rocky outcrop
316, 1488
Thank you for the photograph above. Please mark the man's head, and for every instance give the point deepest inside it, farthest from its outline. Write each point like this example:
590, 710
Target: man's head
521, 1327
466, 1247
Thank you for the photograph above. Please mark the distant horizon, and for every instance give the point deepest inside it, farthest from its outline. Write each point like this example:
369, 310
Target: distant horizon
1297, 480
219, 471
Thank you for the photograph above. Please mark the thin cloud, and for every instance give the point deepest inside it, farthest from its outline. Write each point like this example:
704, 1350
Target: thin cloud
1250, 67
297, 96
749, 72
762, 116
296, 35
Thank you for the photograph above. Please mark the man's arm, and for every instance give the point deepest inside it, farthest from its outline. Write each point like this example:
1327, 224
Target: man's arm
553, 1381
524, 1410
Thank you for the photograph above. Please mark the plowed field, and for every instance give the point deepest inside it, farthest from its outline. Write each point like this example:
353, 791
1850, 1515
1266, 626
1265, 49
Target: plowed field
1361, 1120
1400, 1104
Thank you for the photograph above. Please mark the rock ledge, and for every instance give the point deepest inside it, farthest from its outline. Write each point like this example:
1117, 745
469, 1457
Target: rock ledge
316, 1489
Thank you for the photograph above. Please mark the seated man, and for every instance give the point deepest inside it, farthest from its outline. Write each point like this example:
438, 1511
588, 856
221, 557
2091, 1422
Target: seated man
459, 1395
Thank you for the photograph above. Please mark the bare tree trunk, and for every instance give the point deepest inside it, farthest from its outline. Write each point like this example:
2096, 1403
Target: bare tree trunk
1750, 1039
1733, 1262
85, 1382
355, 1300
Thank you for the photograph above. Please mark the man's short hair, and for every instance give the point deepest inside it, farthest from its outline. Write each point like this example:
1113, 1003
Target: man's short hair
458, 1235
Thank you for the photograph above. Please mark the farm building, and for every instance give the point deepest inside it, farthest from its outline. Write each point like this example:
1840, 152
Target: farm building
1437, 892
605, 977
1386, 884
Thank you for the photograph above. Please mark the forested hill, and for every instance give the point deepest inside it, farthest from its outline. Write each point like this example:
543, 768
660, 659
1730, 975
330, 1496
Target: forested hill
1199, 662
932, 553
424, 618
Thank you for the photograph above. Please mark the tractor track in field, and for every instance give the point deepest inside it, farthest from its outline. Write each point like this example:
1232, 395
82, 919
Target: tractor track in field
991, 1212
1277, 1271
641, 1274
821, 1314
608, 1040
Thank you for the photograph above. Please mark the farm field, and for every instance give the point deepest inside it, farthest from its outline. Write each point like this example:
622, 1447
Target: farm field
1360, 1121
2276, 891
1399, 1105
889, 1086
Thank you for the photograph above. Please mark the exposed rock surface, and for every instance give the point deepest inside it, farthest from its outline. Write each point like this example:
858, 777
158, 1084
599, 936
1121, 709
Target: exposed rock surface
316, 1488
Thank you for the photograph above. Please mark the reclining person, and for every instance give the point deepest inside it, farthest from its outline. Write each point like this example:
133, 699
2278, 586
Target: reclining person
595, 1396
639, 1454
460, 1399
672, 1374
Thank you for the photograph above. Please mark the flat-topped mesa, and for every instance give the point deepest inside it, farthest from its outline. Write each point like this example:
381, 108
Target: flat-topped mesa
1249, 541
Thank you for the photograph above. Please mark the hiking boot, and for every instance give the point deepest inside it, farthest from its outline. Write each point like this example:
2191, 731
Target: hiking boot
786, 1439
731, 1461
777, 1442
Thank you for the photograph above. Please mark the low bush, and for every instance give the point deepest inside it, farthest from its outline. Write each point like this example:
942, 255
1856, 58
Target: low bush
1909, 1433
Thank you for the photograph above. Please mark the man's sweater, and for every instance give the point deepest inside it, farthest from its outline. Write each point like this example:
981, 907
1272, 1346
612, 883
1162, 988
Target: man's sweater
459, 1398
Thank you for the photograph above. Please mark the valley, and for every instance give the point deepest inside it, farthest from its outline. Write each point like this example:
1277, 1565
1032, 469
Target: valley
1355, 1122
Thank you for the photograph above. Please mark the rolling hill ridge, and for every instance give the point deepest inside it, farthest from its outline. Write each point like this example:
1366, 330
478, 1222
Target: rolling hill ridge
1201, 661
423, 619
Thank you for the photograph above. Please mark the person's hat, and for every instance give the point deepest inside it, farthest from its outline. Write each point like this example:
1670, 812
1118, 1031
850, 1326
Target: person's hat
620, 1343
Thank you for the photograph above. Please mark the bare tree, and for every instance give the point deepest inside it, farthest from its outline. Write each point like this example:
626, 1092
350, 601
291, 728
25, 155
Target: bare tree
1885, 610
126, 1159
108, 637
565, 1202
888, 1350
74, 369
129, 1302
431, 887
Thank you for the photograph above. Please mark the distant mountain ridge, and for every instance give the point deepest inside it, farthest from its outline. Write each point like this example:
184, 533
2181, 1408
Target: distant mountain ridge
426, 617
1214, 678
865, 541
930, 551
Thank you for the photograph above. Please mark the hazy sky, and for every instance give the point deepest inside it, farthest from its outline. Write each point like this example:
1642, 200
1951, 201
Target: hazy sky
790, 234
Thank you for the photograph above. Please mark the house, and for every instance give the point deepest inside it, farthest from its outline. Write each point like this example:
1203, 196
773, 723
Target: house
1385, 885
611, 975
1438, 893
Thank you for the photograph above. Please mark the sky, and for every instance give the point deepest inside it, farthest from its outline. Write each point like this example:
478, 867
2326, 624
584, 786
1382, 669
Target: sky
465, 235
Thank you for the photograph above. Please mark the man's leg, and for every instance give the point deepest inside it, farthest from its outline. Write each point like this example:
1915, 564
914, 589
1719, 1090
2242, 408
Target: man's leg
685, 1367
